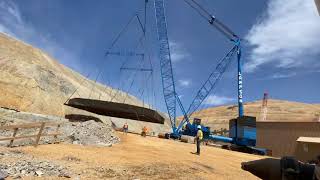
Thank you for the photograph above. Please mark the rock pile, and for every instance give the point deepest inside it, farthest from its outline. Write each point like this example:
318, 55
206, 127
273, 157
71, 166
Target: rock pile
89, 133
34, 168
26, 165
84, 133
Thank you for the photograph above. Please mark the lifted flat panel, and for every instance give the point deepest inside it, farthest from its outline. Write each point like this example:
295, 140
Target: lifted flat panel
119, 110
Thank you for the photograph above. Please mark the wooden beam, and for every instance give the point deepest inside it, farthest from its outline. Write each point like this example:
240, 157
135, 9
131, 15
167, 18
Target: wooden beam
17, 137
29, 125
57, 131
22, 126
40, 125
29, 136
39, 134
13, 136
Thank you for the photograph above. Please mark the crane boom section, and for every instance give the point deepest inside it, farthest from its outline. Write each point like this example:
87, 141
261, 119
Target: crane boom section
209, 84
212, 20
168, 84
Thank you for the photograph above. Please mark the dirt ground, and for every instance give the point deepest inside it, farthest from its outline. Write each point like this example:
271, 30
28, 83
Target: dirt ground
144, 158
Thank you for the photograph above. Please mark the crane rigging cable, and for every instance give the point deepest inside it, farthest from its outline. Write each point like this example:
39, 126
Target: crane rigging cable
142, 41
124, 29
140, 68
123, 110
83, 80
108, 52
121, 72
212, 20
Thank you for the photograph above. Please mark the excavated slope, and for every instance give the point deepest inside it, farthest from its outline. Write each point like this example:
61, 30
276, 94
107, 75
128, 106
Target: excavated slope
33, 81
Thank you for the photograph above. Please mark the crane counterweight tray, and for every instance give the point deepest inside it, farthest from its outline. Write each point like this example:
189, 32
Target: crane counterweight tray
119, 110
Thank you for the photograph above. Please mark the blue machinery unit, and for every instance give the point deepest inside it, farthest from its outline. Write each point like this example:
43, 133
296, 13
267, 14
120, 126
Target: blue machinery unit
240, 133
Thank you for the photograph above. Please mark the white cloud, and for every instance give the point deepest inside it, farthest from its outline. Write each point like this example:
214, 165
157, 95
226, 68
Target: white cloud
178, 52
287, 35
184, 82
217, 100
13, 24
283, 75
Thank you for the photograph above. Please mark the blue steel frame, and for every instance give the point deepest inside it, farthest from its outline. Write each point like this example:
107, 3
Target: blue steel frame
168, 84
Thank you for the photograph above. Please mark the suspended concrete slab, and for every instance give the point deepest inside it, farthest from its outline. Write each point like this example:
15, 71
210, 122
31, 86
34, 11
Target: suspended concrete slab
119, 110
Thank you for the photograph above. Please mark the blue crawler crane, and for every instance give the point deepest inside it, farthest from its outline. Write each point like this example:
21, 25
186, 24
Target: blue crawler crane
242, 129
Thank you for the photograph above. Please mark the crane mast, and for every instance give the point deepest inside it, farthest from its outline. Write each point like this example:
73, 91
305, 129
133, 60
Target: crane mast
169, 91
168, 84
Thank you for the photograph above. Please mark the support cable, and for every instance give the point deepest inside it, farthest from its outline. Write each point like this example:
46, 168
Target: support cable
123, 64
212, 20
84, 79
124, 29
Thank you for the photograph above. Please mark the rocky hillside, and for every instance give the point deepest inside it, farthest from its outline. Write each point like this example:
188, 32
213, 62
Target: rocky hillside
278, 110
32, 81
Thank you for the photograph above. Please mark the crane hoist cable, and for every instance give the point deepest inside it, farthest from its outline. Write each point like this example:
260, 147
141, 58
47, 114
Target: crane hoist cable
143, 43
83, 80
143, 28
122, 65
212, 20
133, 80
123, 30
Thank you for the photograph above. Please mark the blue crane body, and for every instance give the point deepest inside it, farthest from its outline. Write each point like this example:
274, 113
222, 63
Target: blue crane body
242, 129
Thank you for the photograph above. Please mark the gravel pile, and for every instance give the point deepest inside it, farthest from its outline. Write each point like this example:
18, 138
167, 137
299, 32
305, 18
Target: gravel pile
34, 168
25, 165
89, 133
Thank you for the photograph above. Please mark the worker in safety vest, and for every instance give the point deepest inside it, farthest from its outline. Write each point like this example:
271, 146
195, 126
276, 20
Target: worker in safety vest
125, 128
199, 138
144, 131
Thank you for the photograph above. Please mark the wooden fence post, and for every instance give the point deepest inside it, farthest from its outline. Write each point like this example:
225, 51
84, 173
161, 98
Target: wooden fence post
56, 136
13, 135
39, 134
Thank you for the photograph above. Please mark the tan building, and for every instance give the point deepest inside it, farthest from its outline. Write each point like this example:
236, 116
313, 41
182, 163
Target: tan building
307, 148
281, 137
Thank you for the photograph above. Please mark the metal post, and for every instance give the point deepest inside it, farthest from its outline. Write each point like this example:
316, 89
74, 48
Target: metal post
240, 92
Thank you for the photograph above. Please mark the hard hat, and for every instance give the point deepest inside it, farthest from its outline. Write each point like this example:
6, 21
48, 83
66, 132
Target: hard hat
199, 127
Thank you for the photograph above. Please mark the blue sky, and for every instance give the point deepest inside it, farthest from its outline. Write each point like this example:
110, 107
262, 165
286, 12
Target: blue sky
281, 44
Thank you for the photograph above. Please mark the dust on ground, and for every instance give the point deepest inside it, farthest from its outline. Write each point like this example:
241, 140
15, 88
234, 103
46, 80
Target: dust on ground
136, 157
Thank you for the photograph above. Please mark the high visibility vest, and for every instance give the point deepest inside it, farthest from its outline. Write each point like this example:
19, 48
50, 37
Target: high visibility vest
145, 129
199, 134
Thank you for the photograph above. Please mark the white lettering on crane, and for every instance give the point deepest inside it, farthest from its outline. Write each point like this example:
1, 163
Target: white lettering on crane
240, 87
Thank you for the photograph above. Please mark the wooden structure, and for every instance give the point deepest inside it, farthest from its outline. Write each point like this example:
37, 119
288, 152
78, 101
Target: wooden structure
308, 148
281, 137
41, 126
114, 109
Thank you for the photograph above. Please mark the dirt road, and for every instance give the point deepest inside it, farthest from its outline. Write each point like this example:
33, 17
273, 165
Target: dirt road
144, 158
